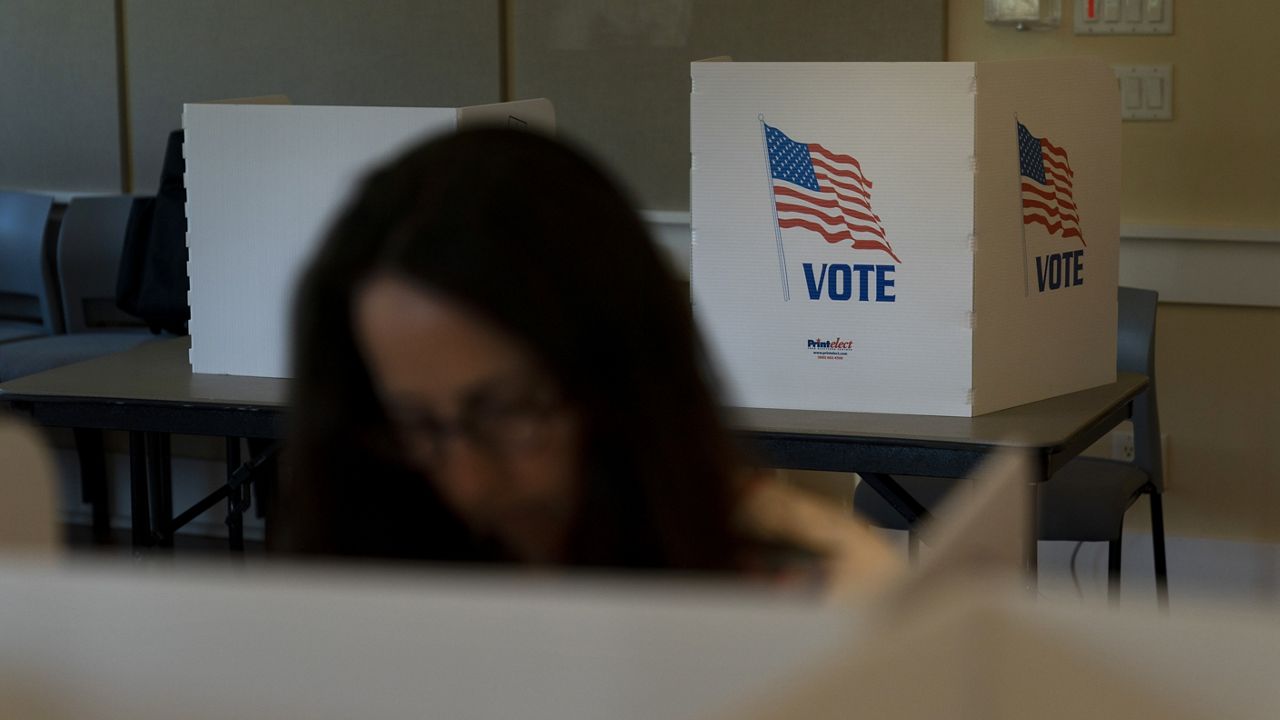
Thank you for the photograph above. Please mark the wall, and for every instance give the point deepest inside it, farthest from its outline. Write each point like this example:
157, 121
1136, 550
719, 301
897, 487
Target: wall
58, 124
332, 52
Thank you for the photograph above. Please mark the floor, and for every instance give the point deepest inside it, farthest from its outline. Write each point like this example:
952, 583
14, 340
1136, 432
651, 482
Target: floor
80, 540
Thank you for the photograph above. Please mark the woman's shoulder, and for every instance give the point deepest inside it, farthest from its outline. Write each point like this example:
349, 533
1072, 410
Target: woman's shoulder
852, 561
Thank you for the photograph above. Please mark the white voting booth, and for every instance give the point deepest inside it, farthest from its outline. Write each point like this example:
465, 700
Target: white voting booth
932, 238
263, 182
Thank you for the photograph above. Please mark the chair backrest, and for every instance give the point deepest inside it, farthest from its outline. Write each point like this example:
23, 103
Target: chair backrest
89, 249
26, 278
1136, 353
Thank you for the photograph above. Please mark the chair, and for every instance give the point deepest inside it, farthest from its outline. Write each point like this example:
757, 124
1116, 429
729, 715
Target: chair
1087, 499
27, 302
89, 246
88, 257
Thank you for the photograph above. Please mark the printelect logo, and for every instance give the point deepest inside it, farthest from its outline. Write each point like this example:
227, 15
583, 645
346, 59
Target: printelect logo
836, 349
836, 344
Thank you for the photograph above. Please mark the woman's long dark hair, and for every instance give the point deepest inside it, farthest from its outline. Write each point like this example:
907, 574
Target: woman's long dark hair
536, 239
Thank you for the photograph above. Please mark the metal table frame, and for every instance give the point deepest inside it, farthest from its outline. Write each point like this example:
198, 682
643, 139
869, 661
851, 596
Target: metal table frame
151, 393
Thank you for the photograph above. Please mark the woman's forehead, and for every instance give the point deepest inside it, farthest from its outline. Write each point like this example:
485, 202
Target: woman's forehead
427, 346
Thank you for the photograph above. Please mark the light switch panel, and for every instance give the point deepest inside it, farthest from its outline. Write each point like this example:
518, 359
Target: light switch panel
1146, 91
1124, 17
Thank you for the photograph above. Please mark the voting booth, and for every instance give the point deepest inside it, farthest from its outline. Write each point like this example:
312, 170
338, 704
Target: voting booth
931, 238
263, 183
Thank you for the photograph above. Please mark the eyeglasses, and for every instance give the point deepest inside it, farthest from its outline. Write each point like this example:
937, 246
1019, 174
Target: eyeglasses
501, 424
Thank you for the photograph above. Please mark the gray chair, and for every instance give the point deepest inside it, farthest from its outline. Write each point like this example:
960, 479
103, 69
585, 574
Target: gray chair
90, 242
89, 245
28, 307
1087, 499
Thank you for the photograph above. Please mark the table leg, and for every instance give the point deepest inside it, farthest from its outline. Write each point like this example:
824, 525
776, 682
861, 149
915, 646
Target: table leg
161, 482
235, 517
1033, 527
93, 480
139, 501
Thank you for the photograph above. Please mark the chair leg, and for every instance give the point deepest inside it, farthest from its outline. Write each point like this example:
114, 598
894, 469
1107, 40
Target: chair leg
913, 547
1113, 571
1157, 549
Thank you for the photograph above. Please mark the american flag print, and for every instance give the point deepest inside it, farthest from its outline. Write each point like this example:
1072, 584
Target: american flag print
823, 192
1047, 181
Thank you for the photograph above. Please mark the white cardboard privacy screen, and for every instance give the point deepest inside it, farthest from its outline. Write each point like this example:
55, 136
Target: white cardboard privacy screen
263, 183
861, 241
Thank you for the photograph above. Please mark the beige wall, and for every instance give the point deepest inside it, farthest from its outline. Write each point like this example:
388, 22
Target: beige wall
1213, 165
1220, 407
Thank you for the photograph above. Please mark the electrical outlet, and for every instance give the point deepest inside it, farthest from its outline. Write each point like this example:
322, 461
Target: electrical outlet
1118, 445
1122, 445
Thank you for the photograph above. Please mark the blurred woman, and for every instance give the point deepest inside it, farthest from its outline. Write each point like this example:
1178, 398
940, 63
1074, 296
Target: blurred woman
492, 363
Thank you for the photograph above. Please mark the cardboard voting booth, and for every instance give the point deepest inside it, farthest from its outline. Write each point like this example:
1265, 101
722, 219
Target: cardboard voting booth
263, 183
932, 238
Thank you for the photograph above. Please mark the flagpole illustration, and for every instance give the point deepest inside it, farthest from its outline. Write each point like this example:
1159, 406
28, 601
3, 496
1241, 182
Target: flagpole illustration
1026, 278
773, 205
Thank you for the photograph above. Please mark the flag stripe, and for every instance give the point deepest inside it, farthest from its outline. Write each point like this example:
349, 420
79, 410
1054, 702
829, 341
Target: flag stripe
1055, 227
828, 193
833, 173
1051, 174
837, 236
856, 232
1048, 194
837, 158
866, 196
843, 169
855, 226
1044, 143
1051, 211
822, 202
1048, 160
784, 207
